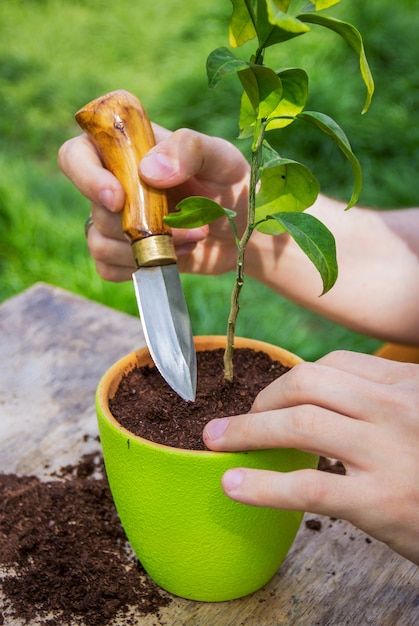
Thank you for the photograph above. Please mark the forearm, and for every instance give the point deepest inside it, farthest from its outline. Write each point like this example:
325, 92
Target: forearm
377, 291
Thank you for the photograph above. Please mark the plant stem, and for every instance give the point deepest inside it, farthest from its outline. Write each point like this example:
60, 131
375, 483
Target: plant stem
241, 248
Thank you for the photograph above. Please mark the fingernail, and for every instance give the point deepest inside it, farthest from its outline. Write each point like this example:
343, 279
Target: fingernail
216, 428
157, 165
232, 479
107, 199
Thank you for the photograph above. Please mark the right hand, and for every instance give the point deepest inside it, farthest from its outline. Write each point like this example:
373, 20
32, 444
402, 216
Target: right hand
349, 406
185, 163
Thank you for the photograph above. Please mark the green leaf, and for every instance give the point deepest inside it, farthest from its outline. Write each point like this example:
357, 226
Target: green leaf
285, 186
220, 63
270, 157
353, 37
294, 97
247, 118
196, 211
263, 88
278, 16
282, 5
320, 5
241, 28
315, 240
282, 28
327, 125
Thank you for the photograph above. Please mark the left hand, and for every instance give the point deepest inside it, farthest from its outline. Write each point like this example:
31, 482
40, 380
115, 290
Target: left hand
357, 408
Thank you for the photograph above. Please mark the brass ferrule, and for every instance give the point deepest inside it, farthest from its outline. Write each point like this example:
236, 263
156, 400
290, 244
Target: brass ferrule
154, 250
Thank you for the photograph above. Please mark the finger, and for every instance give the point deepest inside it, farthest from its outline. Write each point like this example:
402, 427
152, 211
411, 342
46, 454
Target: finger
330, 388
160, 132
185, 154
369, 366
80, 162
106, 223
360, 501
312, 491
306, 428
114, 253
185, 236
113, 273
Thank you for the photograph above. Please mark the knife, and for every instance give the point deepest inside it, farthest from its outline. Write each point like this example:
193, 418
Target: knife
121, 131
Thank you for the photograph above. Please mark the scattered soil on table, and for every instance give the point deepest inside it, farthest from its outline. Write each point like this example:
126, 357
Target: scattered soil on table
64, 557
145, 405
314, 524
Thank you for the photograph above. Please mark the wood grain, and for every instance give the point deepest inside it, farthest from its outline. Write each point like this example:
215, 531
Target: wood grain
119, 127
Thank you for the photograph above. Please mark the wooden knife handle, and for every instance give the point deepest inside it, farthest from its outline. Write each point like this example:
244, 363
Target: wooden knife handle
118, 125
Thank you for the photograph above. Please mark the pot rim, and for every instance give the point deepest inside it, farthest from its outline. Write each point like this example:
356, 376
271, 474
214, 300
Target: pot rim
110, 380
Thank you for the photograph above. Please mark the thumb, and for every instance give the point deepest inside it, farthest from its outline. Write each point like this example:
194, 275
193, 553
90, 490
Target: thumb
185, 154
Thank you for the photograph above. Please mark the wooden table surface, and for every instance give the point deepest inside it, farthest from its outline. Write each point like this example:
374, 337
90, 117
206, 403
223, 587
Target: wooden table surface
54, 348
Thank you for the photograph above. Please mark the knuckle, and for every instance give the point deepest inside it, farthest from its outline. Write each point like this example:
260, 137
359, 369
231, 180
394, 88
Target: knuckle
266, 487
191, 142
300, 376
180, 133
303, 422
336, 357
97, 247
403, 402
63, 153
186, 137
248, 432
411, 372
249, 426
259, 402
312, 489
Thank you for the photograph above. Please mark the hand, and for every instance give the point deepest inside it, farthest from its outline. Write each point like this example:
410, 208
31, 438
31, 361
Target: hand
356, 408
184, 162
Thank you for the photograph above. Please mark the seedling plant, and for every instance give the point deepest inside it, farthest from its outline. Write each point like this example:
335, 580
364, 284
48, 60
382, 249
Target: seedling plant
280, 189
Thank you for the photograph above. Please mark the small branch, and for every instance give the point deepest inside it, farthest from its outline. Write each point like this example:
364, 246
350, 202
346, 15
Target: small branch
241, 248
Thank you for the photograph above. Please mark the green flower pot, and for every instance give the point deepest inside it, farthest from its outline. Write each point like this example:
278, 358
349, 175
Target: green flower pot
189, 536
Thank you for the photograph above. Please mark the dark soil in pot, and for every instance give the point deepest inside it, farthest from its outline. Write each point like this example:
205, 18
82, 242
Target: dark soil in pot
145, 405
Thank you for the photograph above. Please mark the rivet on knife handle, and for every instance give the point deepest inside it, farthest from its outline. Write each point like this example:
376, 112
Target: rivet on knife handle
119, 126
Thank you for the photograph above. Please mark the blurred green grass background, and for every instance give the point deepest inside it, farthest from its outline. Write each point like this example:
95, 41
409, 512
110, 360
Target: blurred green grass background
56, 55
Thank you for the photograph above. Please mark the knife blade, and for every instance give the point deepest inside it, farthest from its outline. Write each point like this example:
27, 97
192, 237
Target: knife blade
118, 125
